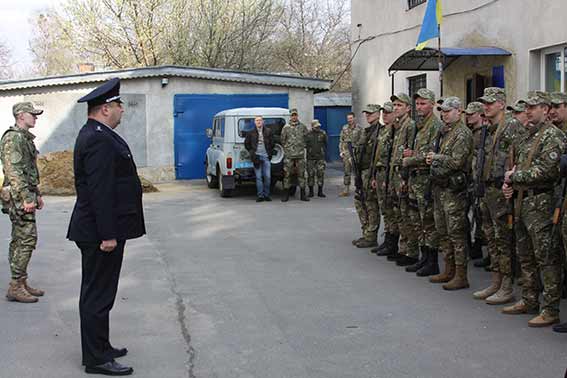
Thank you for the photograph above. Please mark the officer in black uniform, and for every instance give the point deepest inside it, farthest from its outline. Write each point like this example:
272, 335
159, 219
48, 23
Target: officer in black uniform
108, 211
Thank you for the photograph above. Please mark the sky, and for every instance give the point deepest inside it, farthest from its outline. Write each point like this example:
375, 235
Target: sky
15, 28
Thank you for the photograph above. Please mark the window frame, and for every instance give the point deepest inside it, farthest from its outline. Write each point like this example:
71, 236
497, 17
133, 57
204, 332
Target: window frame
417, 79
415, 3
562, 50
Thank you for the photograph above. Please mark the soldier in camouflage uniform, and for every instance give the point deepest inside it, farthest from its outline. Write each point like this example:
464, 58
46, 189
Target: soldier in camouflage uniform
449, 170
21, 198
368, 212
428, 126
316, 143
503, 133
293, 142
346, 136
406, 210
558, 112
518, 111
533, 179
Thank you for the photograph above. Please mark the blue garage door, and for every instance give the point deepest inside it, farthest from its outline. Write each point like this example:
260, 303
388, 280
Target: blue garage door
194, 114
332, 120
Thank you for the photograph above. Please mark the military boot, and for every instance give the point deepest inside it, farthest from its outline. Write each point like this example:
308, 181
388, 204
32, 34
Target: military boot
345, 192
460, 280
406, 261
384, 244
432, 266
495, 283
448, 272
520, 308
32, 291
504, 295
418, 265
545, 319
367, 243
286, 195
355, 241
18, 293
320, 193
395, 257
303, 197
391, 247
311, 194
560, 328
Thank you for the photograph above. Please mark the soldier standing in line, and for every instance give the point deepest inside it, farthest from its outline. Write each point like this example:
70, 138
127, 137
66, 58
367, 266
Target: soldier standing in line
21, 198
347, 133
518, 111
409, 230
449, 170
558, 112
316, 143
503, 133
533, 178
428, 126
367, 209
293, 142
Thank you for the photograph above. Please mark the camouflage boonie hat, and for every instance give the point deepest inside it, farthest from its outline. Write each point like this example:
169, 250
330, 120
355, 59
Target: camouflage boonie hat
449, 104
474, 107
401, 97
25, 107
538, 98
315, 123
371, 108
518, 107
388, 107
493, 94
426, 94
558, 98
293, 111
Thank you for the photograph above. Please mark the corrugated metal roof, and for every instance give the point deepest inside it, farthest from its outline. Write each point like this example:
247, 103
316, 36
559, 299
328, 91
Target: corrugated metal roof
171, 71
333, 99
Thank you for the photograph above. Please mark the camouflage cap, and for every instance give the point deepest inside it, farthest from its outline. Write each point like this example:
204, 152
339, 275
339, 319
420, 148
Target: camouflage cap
450, 103
474, 107
25, 107
401, 97
538, 98
493, 94
426, 94
518, 107
388, 107
371, 108
558, 98
315, 123
293, 111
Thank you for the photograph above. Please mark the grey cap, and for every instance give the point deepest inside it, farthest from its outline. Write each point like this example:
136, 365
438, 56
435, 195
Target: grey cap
450, 103
25, 107
401, 97
493, 94
518, 107
474, 107
371, 108
426, 94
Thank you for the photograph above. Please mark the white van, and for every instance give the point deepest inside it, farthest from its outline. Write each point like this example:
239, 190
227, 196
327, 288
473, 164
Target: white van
227, 162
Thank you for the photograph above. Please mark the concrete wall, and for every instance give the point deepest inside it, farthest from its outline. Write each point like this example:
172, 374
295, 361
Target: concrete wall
147, 124
519, 26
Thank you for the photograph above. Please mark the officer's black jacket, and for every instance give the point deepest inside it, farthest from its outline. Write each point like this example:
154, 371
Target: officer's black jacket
109, 192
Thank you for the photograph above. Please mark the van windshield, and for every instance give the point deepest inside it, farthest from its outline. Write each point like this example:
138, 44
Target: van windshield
246, 125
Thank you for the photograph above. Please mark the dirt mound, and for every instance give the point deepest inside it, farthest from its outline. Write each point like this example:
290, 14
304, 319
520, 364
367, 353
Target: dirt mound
57, 178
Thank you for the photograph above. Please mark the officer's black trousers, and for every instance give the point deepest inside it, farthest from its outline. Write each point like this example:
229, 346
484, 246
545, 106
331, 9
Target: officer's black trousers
99, 283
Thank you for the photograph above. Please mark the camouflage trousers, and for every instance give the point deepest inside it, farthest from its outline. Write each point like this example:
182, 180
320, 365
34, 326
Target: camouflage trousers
494, 208
407, 225
347, 167
386, 204
24, 240
538, 253
423, 215
294, 168
450, 210
316, 170
369, 212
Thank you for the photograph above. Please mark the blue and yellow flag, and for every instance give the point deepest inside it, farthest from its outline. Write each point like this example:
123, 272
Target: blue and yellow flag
431, 21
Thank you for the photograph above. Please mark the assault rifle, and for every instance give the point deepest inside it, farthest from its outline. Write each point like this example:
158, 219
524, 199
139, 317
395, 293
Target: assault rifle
359, 191
479, 192
405, 172
388, 163
427, 195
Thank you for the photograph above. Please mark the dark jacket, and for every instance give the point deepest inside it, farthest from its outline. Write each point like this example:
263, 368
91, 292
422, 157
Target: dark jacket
251, 143
109, 192
316, 144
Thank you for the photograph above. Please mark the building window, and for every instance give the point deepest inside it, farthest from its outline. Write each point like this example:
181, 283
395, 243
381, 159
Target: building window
415, 3
415, 83
554, 69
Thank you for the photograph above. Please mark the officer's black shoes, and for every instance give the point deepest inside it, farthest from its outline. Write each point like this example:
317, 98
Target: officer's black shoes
303, 197
260, 199
311, 194
109, 368
320, 192
431, 267
560, 328
483, 263
406, 261
117, 353
268, 199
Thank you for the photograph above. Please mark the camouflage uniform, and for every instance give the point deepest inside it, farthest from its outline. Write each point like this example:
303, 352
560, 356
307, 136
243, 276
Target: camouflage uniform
347, 133
316, 144
18, 155
293, 142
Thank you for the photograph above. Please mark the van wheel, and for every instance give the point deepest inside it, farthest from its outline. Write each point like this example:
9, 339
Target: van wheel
223, 192
212, 181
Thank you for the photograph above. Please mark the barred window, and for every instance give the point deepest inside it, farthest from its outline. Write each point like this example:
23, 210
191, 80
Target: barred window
415, 3
415, 83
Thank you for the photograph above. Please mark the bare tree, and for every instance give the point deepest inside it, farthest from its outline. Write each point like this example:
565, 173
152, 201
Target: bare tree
5, 62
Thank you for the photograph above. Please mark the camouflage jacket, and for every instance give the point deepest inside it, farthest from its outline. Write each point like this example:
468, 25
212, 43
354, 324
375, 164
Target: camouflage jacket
455, 152
316, 144
347, 135
405, 134
385, 141
365, 141
293, 140
19, 161
427, 131
477, 136
500, 141
543, 172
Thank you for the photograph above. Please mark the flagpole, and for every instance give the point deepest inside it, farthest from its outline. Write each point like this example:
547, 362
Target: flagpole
440, 60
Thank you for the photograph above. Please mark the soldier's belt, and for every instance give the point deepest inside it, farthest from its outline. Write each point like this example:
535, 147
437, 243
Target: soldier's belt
535, 192
419, 172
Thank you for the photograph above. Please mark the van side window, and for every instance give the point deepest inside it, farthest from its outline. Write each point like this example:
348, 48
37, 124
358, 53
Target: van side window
216, 128
221, 127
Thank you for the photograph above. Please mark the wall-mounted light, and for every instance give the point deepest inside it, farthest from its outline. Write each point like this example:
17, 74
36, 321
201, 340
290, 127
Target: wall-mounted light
164, 81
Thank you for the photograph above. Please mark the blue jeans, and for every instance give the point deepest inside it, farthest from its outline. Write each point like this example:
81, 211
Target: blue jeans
263, 176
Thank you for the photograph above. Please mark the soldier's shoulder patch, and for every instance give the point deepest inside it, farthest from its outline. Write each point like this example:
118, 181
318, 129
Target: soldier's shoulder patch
553, 156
